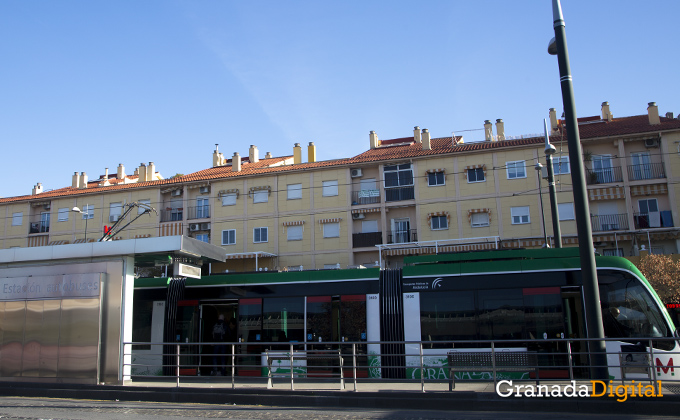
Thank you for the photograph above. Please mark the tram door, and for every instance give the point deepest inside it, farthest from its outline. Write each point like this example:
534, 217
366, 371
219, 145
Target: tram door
209, 315
574, 322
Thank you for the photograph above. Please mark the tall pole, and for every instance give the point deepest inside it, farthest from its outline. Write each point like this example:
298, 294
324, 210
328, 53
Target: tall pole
594, 328
549, 151
538, 168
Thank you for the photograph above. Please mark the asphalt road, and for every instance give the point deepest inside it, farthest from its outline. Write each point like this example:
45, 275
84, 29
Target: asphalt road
64, 409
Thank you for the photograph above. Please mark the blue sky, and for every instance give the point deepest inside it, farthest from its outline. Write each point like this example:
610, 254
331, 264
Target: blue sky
88, 85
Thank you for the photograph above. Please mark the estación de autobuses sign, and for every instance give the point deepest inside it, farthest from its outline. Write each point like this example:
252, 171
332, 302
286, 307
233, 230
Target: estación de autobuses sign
50, 287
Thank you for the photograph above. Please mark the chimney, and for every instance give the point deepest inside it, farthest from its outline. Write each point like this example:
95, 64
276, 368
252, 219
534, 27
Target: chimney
416, 134
297, 154
37, 189
500, 129
83, 180
268, 155
488, 131
150, 171
218, 158
553, 120
311, 152
253, 154
426, 139
75, 180
606, 113
236, 162
121, 171
105, 178
373, 138
653, 113
141, 173
669, 115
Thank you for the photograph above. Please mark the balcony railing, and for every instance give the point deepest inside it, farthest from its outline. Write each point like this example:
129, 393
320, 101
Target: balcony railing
402, 237
360, 240
399, 194
199, 212
39, 227
605, 222
173, 215
653, 219
604, 176
365, 197
646, 171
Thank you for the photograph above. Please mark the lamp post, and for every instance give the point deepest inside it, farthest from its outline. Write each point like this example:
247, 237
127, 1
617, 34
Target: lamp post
591, 293
84, 213
549, 151
538, 168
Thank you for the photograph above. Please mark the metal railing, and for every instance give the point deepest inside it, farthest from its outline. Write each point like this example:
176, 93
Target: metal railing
198, 212
604, 176
360, 240
605, 222
402, 237
172, 215
365, 197
399, 194
652, 220
39, 227
646, 171
422, 362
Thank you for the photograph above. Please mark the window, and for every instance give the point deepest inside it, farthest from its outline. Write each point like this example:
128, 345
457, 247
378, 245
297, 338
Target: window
202, 208
115, 210
88, 211
143, 203
369, 226
203, 237
398, 175
435, 178
480, 219
260, 196
613, 252
229, 199
476, 175
295, 191
520, 215
331, 230
560, 165
648, 206
439, 223
294, 233
17, 218
260, 235
566, 211
329, 188
516, 169
62, 215
641, 167
602, 169
229, 237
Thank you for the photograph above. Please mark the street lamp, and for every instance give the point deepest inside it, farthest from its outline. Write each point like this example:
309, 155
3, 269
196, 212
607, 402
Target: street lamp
85, 214
591, 293
538, 168
549, 151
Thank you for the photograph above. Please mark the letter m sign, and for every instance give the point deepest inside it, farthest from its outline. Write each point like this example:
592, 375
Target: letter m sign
660, 367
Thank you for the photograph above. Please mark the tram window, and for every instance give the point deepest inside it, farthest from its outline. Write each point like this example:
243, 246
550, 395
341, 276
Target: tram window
283, 319
543, 312
447, 316
501, 314
353, 317
141, 324
628, 311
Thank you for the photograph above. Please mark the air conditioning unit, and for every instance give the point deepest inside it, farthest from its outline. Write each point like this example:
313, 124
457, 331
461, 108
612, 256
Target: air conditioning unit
356, 173
205, 226
114, 218
358, 216
194, 227
176, 193
204, 190
651, 143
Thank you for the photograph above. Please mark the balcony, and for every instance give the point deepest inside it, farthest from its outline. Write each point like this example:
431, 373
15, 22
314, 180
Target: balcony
653, 219
199, 212
605, 222
361, 240
604, 176
646, 171
402, 237
39, 227
365, 197
172, 215
399, 194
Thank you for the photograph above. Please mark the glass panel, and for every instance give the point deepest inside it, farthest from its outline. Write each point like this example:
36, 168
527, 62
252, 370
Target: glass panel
283, 320
501, 315
446, 316
319, 325
250, 331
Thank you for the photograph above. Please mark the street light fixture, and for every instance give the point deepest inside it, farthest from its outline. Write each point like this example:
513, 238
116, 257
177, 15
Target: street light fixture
86, 215
591, 293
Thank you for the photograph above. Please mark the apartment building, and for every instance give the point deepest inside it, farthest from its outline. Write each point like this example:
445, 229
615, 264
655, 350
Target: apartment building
405, 196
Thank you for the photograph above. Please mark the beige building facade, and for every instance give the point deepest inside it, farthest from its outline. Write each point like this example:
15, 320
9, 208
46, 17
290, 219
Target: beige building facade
406, 196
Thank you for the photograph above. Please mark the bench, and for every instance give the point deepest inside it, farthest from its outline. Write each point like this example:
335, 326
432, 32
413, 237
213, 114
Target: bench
334, 355
503, 361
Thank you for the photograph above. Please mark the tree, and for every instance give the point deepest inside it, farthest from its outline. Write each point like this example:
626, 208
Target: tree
177, 175
663, 273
